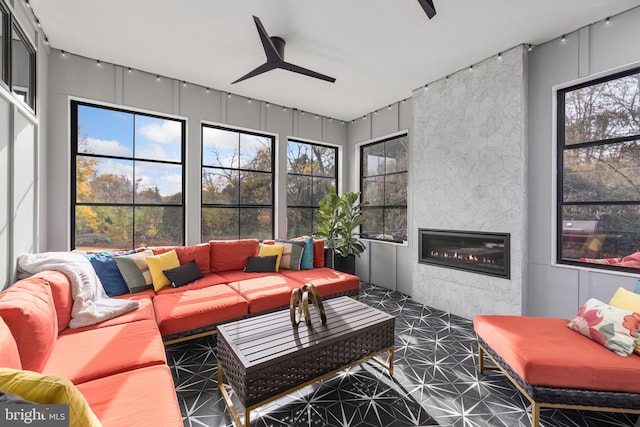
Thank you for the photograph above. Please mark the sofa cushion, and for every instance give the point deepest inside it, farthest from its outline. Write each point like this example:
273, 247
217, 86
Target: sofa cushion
544, 352
183, 275
318, 253
264, 291
194, 308
200, 253
9, 356
208, 280
143, 312
95, 353
62, 297
627, 300
137, 398
159, 263
292, 253
258, 264
231, 254
28, 310
326, 280
108, 273
272, 249
135, 270
49, 389
306, 262
612, 327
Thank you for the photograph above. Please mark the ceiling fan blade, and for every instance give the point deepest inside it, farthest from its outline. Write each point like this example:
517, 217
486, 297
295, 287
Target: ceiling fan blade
267, 66
268, 46
301, 70
428, 7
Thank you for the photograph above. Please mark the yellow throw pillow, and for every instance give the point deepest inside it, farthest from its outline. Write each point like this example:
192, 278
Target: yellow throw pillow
49, 389
627, 300
159, 263
270, 250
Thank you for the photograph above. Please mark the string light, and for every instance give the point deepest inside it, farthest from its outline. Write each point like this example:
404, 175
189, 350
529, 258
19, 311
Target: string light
208, 90
564, 38
157, 77
607, 21
499, 55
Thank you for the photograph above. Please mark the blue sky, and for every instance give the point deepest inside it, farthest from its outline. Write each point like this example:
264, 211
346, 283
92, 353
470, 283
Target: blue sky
111, 133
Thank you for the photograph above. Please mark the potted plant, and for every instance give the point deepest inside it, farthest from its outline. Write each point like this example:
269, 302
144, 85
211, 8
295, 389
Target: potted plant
338, 219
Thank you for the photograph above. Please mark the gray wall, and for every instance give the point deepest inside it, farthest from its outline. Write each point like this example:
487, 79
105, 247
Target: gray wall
560, 290
75, 77
21, 153
384, 264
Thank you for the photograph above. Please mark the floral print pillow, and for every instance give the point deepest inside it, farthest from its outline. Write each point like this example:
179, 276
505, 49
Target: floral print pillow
612, 327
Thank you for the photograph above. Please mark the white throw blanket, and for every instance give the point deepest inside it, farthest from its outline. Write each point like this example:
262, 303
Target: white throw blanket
91, 304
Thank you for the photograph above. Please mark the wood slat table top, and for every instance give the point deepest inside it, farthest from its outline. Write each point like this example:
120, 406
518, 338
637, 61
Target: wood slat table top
269, 338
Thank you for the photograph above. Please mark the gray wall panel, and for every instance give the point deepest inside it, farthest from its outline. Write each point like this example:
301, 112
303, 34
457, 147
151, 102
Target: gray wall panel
81, 77
141, 91
385, 121
309, 126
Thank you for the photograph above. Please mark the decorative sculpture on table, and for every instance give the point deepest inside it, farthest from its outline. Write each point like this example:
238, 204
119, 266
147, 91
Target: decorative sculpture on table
299, 304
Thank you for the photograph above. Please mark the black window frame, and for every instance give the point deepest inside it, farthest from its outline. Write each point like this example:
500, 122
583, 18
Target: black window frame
238, 205
10, 24
74, 104
384, 206
561, 148
314, 208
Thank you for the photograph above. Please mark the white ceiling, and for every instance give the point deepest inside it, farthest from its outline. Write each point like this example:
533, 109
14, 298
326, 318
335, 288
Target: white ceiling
378, 50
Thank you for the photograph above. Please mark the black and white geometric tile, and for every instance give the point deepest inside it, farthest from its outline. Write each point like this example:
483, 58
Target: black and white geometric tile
435, 383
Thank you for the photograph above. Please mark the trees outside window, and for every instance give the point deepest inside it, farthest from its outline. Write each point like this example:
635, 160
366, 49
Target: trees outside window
127, 171
311, 172
237, 184
599, 171
383, 180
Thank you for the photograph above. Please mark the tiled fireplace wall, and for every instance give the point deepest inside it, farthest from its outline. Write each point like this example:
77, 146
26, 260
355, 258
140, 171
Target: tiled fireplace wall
469, 173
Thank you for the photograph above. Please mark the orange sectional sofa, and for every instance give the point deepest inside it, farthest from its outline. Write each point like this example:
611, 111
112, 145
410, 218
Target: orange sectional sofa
555, 367
116, 371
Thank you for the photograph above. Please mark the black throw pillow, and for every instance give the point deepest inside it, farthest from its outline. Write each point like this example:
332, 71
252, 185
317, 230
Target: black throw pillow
261, 264
184, 274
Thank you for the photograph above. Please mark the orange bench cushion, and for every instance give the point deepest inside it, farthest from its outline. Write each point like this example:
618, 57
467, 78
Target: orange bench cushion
263, 291
326, 280
194, 308
100, 352
545, 352
143, 312
139, 398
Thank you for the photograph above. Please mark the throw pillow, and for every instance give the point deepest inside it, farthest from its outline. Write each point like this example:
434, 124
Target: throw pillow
135, 270
184, 274
292, 254
13, 399
609, 326
261, 264
28, 310
159, 263
267, 250
627, 300
306, 262
108, 273
49, 389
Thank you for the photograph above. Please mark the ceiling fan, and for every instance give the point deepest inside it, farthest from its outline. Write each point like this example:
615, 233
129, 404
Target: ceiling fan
274, 49
428, 7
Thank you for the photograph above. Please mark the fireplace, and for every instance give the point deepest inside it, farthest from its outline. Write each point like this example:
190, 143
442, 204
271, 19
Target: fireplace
479, 252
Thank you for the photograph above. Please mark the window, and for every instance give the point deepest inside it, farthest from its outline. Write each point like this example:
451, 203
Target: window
17, 59
599, 172
23, 60
311, 172
128, 175
237, 184
4, 24
384, 180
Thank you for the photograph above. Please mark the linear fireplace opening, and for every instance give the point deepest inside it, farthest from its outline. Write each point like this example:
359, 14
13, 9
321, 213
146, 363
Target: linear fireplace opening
475, 251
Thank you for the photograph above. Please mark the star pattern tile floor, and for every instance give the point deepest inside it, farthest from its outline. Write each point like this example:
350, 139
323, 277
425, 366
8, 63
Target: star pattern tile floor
435, 383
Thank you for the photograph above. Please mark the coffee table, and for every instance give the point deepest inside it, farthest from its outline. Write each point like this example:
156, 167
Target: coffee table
265, 357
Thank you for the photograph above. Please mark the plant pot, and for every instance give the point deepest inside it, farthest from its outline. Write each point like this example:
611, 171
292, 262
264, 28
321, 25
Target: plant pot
345, 264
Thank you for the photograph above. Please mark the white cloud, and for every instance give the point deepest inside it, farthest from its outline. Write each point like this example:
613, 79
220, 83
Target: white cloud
166, 132
219, 138
106, 147
152, 151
